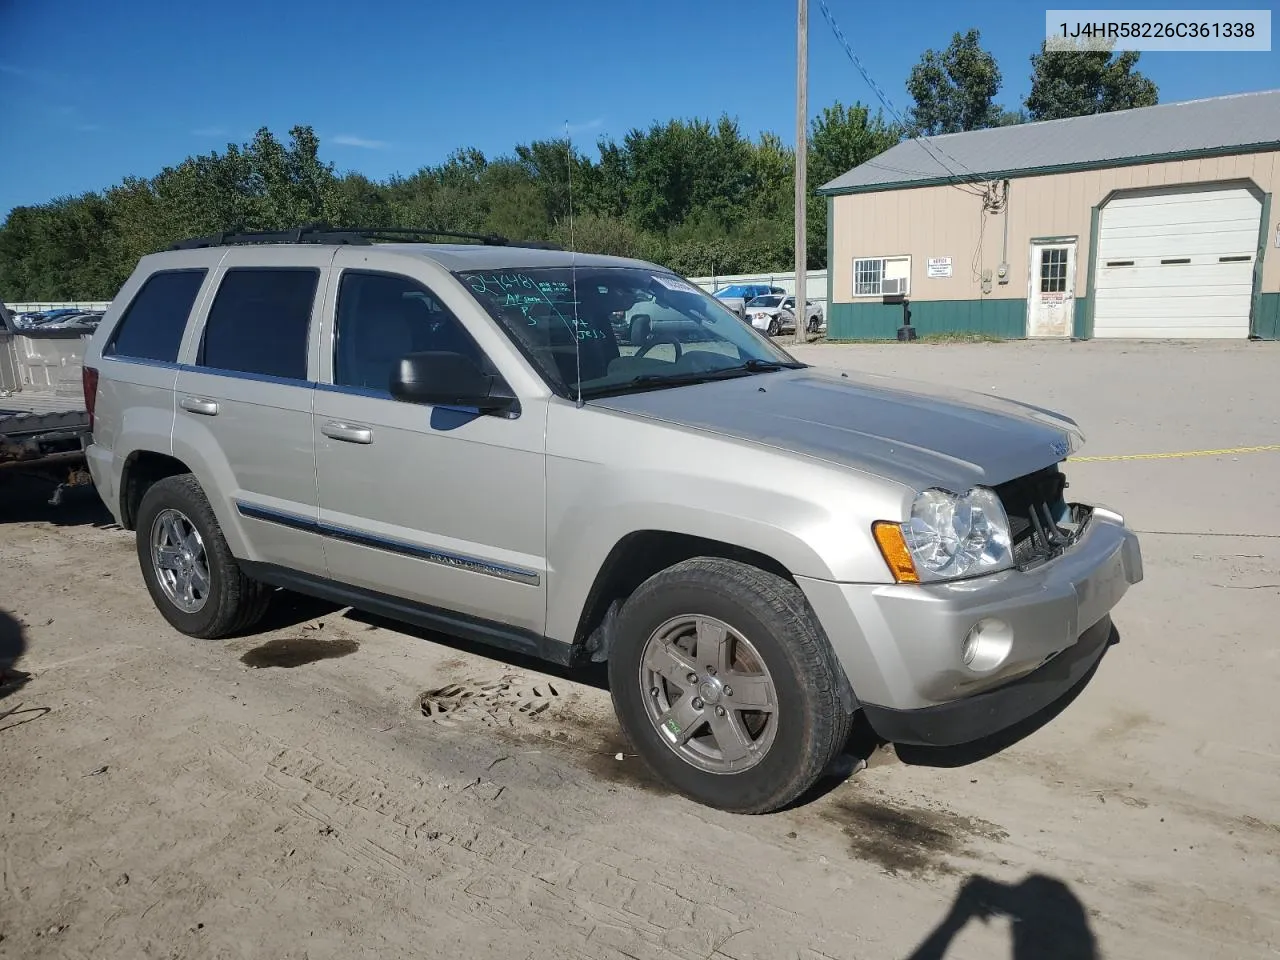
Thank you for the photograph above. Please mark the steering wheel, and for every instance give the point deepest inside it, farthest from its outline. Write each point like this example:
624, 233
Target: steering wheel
655, 341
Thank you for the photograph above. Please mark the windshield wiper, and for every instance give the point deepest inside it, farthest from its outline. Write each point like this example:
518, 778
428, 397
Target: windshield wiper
656, 381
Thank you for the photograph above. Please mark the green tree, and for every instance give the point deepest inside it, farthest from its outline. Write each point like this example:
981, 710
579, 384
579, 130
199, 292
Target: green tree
695, 195
561, 174
353, 200
680, 170
840, 138
954, 89
1010, 118
1078, 82
291, 184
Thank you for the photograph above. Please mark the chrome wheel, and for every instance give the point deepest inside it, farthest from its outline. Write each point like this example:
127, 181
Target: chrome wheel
709, 694
179, 559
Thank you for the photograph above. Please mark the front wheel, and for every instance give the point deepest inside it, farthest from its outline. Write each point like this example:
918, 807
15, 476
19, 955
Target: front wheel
774, 327
725, 685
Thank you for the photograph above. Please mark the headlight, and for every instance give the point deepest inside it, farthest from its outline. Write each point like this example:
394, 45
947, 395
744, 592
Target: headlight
949, 536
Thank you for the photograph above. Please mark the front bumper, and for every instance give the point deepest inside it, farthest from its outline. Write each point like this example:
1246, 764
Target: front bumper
901, 644
983, 714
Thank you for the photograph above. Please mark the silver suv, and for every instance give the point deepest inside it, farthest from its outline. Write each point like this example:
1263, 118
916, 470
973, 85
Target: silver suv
452, 435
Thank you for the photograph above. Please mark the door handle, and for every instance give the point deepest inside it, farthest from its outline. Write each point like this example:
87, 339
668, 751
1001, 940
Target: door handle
347, 432
207, 408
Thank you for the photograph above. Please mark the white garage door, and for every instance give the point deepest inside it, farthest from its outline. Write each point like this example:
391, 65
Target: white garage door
1176, 263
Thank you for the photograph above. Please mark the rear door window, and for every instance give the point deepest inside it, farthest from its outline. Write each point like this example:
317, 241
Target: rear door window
260, 321
153, 323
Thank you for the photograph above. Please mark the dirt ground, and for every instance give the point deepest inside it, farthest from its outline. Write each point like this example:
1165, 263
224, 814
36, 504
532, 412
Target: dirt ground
340, 787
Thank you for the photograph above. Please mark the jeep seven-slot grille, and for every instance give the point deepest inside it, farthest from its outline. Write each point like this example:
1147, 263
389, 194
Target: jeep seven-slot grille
1041, 524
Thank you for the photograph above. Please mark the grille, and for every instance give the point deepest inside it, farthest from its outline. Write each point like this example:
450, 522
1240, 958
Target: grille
1041, 524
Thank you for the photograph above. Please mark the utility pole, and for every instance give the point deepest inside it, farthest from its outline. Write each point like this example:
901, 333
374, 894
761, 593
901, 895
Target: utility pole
802, 163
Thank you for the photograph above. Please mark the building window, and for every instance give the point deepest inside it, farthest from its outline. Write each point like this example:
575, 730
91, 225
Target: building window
877, 276
1053, 270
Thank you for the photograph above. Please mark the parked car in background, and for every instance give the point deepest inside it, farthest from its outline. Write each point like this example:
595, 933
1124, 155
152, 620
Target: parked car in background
775, 313
736, 296
61, 319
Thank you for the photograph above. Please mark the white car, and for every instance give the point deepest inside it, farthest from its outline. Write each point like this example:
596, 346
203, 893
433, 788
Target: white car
774, 313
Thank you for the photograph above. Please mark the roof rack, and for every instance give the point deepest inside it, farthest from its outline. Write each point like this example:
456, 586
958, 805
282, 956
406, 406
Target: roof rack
323, 233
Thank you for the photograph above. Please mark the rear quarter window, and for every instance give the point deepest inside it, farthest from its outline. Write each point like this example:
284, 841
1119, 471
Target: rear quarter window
153, 323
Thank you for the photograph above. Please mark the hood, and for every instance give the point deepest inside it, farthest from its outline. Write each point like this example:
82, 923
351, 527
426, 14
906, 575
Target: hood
914, 433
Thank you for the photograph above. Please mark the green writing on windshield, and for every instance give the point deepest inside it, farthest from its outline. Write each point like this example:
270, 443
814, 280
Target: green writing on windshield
498, 286
528, 295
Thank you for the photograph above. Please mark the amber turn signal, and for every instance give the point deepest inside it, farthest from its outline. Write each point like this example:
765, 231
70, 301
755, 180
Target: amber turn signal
894, 549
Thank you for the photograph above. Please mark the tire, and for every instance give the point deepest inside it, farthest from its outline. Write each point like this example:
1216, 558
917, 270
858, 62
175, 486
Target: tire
229, 602
810, 726
774, 327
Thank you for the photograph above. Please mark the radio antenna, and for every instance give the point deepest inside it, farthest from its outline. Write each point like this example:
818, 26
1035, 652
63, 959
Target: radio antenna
573, 263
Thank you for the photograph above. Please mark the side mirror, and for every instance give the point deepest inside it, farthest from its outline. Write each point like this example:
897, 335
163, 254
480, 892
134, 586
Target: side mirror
449, 380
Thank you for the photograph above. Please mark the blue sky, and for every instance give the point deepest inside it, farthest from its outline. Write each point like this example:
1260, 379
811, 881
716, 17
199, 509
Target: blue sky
92, 92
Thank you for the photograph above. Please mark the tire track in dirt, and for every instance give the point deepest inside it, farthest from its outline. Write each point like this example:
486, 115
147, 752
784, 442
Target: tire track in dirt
444, 831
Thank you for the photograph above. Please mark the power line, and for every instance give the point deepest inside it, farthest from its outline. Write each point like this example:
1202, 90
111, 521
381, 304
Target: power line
972, 179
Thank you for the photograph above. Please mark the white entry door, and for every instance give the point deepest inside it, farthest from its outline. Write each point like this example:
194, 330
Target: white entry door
1051, 297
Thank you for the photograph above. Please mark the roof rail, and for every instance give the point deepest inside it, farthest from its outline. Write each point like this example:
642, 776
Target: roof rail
323, 233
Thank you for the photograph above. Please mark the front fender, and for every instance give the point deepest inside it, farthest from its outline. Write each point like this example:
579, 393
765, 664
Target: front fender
580, 547
610, 475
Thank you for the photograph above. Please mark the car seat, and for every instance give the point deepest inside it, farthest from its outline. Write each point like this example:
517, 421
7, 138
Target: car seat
382, 333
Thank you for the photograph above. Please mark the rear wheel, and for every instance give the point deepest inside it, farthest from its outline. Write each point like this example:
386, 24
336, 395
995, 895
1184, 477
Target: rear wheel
190, 573
724, 684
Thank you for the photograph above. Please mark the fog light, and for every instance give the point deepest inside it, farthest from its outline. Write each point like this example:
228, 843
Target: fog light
986, 645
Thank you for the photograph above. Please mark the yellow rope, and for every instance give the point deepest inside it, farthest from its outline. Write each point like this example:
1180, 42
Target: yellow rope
1226, 451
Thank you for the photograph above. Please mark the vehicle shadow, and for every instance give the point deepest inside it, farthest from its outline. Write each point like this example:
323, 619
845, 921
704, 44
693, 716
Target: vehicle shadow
25, 499
860, 749
288, 609
1046, 920
967, 753
591, 674
13, 644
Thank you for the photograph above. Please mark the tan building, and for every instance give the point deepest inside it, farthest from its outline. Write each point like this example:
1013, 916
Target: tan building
1148, 223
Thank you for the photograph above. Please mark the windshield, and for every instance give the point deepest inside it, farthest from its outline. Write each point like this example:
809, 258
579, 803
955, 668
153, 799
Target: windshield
627, 329
731, 292
772, 300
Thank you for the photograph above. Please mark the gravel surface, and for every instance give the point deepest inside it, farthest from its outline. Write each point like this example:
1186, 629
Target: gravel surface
336, 786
